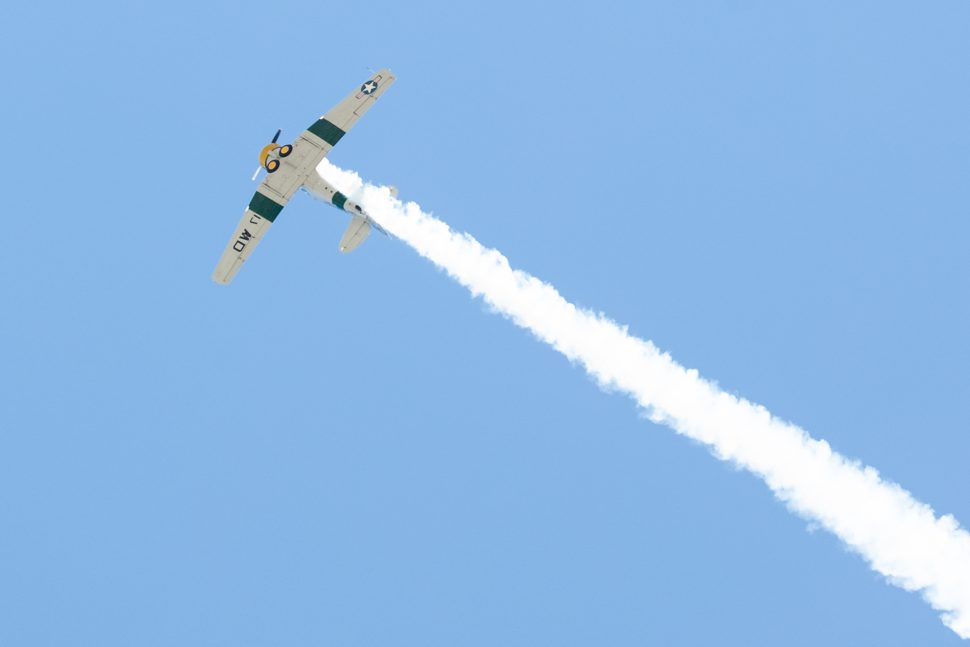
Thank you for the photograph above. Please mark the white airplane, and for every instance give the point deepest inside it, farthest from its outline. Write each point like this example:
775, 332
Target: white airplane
291, 167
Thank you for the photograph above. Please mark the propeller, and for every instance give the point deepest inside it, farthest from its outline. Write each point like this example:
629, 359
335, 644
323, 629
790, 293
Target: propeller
275, 137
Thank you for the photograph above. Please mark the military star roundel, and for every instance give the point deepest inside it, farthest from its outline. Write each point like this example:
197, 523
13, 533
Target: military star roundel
369, 87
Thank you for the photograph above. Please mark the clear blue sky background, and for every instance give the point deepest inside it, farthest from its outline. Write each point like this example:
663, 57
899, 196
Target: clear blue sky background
348, 450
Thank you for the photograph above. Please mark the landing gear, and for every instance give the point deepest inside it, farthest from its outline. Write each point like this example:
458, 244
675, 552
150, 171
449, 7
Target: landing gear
272, 165
285, 150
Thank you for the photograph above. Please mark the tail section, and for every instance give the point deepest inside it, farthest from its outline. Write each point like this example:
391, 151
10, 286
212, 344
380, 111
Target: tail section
360, 225
357, 232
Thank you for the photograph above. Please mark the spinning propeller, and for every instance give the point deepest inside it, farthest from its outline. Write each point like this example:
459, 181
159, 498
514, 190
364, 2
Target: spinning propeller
275, 137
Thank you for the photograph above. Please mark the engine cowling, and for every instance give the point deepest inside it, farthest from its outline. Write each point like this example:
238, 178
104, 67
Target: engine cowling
269, 152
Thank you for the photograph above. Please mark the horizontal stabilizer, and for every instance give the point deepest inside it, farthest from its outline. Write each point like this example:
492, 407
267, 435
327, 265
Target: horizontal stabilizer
357, 232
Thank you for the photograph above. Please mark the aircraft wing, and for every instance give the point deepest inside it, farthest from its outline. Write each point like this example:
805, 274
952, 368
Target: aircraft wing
259, 215
277, 188
316, 142
328, 129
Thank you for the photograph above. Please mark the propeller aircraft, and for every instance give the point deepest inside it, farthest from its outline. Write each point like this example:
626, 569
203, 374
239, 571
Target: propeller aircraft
290, 167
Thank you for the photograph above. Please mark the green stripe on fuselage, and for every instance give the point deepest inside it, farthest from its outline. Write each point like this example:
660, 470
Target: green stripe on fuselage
326, 131
265, 207
339, 199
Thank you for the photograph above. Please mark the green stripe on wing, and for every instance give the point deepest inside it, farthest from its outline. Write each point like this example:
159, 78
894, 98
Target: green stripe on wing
326, 131
265, 207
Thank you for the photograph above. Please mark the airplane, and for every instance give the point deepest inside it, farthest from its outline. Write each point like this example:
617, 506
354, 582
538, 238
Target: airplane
290, 167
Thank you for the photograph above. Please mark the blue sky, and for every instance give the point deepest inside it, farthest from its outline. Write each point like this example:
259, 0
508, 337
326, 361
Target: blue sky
348, 449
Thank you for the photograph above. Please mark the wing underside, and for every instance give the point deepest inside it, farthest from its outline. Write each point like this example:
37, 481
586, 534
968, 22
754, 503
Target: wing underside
250, 231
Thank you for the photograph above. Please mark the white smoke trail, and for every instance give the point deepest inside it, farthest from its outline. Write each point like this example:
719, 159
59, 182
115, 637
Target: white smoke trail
899, 536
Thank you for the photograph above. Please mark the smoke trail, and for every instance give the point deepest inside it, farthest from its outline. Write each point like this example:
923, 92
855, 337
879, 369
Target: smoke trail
899, 536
